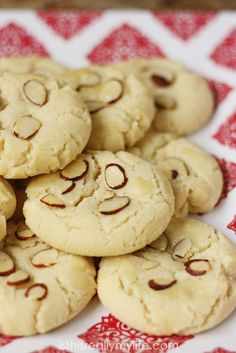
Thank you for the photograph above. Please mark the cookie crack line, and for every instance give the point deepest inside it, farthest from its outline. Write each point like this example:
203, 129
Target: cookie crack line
36, 315
130, 293
66, 295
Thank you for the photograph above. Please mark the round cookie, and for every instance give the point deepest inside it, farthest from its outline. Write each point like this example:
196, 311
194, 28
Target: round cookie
183, 100
121, 107
7, 205
183, 283
47, 125
7, 199
103, 204
30, 64
195, 175
41, 288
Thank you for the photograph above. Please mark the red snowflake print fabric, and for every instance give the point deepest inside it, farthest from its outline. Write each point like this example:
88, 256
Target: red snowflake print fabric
50, 349
68, 23
14, 40
124, 43
220, 90
226, 134
232, 225
184, 24
225, 52
220, 350
4, 340
229, 173
112, 336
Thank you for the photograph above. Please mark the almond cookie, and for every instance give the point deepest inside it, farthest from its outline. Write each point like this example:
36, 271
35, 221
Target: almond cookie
183, 283
183, 100
195, 175
7, 199
42, 127
7, 205
102, 204
30, 64
41, 288
121, 107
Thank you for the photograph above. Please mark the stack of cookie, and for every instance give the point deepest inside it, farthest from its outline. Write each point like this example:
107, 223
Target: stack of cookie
99, 169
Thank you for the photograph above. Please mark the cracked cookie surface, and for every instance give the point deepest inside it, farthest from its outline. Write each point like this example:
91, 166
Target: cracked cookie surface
42, 127
183, 283
183, 100
121, 107
41, 288
195, 175
30, 64
102, 204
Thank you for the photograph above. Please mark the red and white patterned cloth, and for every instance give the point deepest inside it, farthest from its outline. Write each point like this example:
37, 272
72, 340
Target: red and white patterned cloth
206, 43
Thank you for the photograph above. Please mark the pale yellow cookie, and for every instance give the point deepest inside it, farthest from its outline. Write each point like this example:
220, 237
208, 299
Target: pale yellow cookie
195, 175
30, 64
7, 199
183, 283
121, 107
41, 288
103, 204
43, 127
7, 204
183, 100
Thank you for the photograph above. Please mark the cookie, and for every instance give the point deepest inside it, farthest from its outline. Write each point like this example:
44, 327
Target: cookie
121, 107
7, 199
183, 283
195, 175
30, 64
183, 100
41, 288
102, 204
42, 127
7, 205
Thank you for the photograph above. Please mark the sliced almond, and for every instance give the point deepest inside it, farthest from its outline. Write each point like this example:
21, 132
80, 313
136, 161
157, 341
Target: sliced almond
18, 278
197, 267
35, 92
52, 201
112, 91
26, 127
160, 243
162, 78
7, 265
37, 291
181, 249
89, 79
69, 189
115, 176
174, 174
95, 106
161, 284
23, 232
113, 205
109, 194
45, 258
76, 170
165, 102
